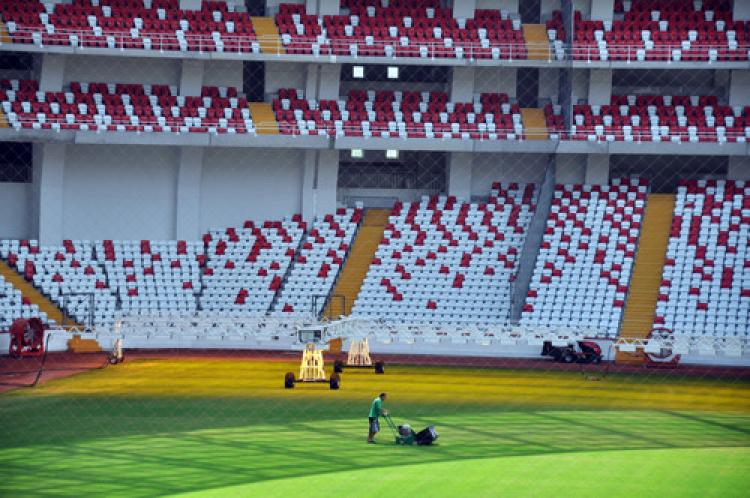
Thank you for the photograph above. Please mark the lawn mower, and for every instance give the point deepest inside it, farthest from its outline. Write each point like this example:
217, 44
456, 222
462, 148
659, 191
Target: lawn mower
405, 435
585, 352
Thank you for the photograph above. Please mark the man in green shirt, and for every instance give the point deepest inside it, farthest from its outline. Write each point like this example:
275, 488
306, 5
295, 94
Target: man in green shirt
376, 410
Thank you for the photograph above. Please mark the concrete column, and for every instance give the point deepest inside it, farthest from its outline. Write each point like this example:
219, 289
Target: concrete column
329, 81
309, 195
600, 86
312, 73
51, 194
602, 9
189, 175
739, 88
191, 77
190, 4
52, 73
322, 7
741, 10
597, 169
462, 84
739, 168
459, 174
464, 9
327, 182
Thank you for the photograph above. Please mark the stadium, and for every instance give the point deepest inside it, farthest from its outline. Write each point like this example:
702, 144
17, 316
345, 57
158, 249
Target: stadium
226, 226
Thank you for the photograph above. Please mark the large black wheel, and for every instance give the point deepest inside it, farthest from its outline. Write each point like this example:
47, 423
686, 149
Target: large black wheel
379, 367
335, 381
338, 366
568, 358
289, 380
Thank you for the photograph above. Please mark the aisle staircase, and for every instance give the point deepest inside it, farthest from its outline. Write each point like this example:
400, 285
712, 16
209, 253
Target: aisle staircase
78, 345
355, 269
534, 124
268, 35
33, 295
647, 272
264, 118
4, 35
537, 41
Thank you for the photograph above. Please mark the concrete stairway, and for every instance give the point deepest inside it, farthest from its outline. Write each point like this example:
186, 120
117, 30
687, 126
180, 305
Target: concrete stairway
32, 294
268, 35
264, 118
4, 35
647, 272
534, 124
537, 41
360, 256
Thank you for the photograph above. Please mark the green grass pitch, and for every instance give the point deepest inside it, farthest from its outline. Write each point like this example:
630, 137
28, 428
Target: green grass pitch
228, 428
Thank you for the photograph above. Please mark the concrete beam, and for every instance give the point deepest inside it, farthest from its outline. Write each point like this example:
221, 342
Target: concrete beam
459, 174
464, 9
51, 194
741, 10
739, 87
52, 73
597, 169
190, 4
191, 77
462, 84
600, 86
602, 9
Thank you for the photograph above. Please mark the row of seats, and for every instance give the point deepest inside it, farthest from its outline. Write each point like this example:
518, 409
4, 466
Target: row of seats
124, 107
122, 24
647, 30
585, 261
442, 260
399, 114
705, 287
13, 306
657, 118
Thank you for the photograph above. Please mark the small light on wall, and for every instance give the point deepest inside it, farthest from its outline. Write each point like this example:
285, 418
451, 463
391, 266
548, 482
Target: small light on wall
392, 73
358, 153
391, 154
358, 72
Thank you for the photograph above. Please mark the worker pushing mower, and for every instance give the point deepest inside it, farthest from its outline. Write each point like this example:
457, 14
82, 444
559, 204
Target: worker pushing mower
403, 434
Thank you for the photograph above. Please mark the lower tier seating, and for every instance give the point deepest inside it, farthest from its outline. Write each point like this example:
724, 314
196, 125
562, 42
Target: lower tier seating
706, 283
445, 261
584, 265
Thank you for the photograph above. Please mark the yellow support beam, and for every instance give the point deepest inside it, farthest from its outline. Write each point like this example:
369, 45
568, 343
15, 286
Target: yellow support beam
360, 256
640, 307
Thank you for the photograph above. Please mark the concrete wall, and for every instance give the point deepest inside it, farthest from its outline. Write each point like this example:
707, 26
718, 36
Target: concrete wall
250, 184
15, 210
122, 70
223, 73
570, 168
508, 5
739, 168
119, 192
739, 88
495, 79
489, 168
284, 75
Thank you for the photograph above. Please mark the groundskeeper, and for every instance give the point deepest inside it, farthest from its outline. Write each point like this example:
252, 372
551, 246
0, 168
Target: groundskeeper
376, 410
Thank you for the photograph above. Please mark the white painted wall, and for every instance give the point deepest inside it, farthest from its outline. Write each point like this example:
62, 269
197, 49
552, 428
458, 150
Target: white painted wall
495, 79
250, 184
120, 192
489, 168
570, 168
15, 211
284, 75
122, 70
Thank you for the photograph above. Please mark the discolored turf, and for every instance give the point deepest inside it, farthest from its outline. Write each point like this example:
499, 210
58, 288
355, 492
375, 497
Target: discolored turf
154, 427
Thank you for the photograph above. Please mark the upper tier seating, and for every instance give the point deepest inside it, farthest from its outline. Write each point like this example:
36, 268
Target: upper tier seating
131, 24
153, 277
659, 30
400, 114
445, 261
317, 264
71, 277
632, 118
408, 28
124, 107
246, 266
706, 283
583, 268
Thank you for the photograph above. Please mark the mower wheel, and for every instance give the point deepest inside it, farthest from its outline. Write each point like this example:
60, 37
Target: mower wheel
379, 367
568, 358
338, 366
289, 380
335, 381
